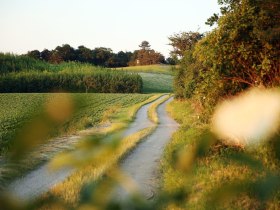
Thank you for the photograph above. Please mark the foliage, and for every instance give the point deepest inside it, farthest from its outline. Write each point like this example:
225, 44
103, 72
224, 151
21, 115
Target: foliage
182, 42
241, 52
14, 63
99, 56
145, 45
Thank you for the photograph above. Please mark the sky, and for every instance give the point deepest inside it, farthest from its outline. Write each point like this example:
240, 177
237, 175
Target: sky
117, 24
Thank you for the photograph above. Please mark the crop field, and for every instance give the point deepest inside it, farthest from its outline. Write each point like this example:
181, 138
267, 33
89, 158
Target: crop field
162, 69
17, 109
156, 78
157, 83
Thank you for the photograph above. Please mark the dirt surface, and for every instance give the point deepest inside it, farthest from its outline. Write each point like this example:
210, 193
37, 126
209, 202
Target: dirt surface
142, 165
42, 179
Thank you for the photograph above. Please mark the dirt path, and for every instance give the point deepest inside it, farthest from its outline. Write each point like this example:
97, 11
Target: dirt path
142, 165
42, 179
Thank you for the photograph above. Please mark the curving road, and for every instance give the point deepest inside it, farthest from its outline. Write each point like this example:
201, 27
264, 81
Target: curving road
142, 165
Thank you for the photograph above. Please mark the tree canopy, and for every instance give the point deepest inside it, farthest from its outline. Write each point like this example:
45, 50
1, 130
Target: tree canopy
241, 52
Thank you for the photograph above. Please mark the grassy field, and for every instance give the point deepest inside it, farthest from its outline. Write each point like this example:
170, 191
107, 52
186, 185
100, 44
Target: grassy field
157, 83
158, 69
156, 78
225, 177
16, 109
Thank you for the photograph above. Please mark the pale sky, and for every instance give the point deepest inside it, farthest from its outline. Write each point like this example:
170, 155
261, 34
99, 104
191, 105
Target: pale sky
117, 24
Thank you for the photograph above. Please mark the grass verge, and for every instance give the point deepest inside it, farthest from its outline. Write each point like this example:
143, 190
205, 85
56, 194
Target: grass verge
216, 175
152, 111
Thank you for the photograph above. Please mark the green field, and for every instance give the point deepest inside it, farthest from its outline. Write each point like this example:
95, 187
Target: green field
157, 83
16, 109
161, 69
156, 78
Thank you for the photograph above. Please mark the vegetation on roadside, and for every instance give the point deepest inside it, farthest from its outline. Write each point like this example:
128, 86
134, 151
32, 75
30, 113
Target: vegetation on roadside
241, 52
152, 111
213, 174
209, 171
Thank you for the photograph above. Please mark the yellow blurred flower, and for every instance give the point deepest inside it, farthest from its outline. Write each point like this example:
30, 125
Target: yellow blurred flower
248, 118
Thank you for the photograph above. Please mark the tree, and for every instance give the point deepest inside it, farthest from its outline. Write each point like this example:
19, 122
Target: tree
55, 57
66, 52
146, 55
45, 55
145, 45
101, 55
241, 52
84, 54
171, 61
121, 59
183, 41
34, 54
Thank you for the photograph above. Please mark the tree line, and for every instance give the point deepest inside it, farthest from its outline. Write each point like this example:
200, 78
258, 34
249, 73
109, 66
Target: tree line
100, 56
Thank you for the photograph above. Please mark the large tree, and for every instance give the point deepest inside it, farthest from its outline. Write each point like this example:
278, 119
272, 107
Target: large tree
84, 54
46, 55
66, 52
183, 41
34, 54
146, 55
101, 55
145, 45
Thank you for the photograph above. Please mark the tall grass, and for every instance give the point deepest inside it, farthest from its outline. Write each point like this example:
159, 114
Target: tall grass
100, 81
15, 63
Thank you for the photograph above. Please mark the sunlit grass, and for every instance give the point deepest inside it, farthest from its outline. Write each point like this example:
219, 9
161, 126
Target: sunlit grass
159, 68
157, 83
223, 175
152, 111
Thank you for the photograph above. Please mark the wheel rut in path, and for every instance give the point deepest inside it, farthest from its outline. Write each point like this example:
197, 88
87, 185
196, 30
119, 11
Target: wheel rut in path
42, 179
142, 165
